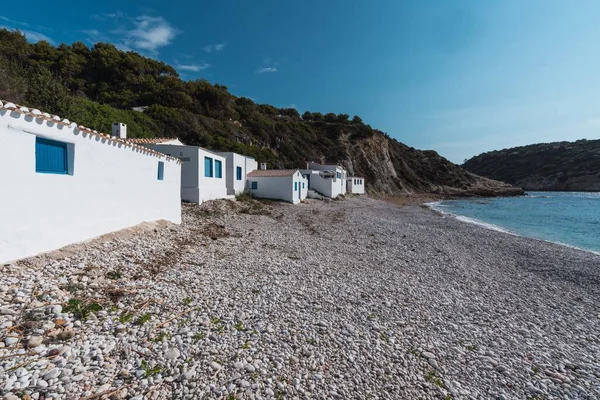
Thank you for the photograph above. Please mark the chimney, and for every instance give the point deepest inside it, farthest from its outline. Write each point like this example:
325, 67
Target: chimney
263, 166
119, 130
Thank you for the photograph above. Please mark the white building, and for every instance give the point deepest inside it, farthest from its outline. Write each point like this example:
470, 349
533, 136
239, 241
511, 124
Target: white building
356, 185
278, 184
328, 180
63, 183
202, 171
238, 166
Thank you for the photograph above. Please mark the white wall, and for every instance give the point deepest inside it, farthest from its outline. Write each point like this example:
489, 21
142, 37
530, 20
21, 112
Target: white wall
304, 186
277, 188
111, 187
356, 185
234, 160
331, 187
195, 187
280, 188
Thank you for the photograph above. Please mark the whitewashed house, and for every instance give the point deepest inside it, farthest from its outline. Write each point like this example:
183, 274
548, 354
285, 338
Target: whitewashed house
202, 171
238, 166
278, 184
63, 183
356, 185
328, 180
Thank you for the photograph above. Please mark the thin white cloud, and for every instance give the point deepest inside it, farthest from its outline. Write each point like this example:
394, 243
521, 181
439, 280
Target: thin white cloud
264, 70
37, 36
95, 36
192, 67
107, 16
214, 47
31, 36
149, 33
12, 22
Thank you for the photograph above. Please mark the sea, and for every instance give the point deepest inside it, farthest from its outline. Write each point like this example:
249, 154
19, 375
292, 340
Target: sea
567, 218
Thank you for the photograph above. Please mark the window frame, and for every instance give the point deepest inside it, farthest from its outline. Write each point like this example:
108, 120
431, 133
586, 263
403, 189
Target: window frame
238, 173
254, 185
218, 169
208, 173
161, 171
63, 145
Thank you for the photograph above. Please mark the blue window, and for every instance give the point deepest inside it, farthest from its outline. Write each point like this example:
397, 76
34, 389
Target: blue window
295, 186
339, 175
218, 169
161, 170
254, 185
238, 173
51, 157
208, 167
302, 185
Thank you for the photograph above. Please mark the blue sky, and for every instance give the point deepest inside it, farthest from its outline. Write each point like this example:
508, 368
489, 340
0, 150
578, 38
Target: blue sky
460, 77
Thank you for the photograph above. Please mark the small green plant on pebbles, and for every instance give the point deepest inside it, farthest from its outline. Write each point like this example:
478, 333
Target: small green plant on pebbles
143, 319
215, 320
114, 275
432, 377
150, 371
187, 301
199, 336
161, 336
239, 327
124, 317
80, 309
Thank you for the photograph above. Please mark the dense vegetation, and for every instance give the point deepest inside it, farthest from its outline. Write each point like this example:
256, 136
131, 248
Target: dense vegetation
101, 85
545, 166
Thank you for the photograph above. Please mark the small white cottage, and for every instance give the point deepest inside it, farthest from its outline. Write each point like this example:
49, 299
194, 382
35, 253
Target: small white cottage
328, 180
63, 183
202, 171
356, 185
278, 184
238, 166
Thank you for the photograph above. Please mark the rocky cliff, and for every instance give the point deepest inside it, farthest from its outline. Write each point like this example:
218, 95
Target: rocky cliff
559, 166
391, 167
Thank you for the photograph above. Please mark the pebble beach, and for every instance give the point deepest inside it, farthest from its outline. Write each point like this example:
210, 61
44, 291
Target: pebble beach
351, 299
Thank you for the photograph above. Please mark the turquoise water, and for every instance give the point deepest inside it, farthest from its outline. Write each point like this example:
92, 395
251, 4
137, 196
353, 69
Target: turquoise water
564, 217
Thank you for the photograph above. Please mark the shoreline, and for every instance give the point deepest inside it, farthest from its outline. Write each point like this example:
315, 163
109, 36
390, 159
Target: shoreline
357, 298
493, 227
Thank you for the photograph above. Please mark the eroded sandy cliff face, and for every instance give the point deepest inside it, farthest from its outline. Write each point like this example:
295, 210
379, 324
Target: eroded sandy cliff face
560, 166
393, 168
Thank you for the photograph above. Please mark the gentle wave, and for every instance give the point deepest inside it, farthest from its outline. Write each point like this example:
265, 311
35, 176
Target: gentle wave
440, 208
444, 207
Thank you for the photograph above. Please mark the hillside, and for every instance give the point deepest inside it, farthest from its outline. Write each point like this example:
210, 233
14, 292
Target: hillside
100, 85
560, 166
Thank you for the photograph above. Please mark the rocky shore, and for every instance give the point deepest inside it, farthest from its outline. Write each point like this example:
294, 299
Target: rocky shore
353, 299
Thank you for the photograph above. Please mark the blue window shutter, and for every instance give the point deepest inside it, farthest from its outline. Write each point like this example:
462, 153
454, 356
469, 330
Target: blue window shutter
218, 169
238, 173
208, 167
295, 186
161, 170
254, 185
302, 185
50, 157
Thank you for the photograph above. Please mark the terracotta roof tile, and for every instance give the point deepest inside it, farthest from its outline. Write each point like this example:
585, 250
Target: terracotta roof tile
155, 140
271, 173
